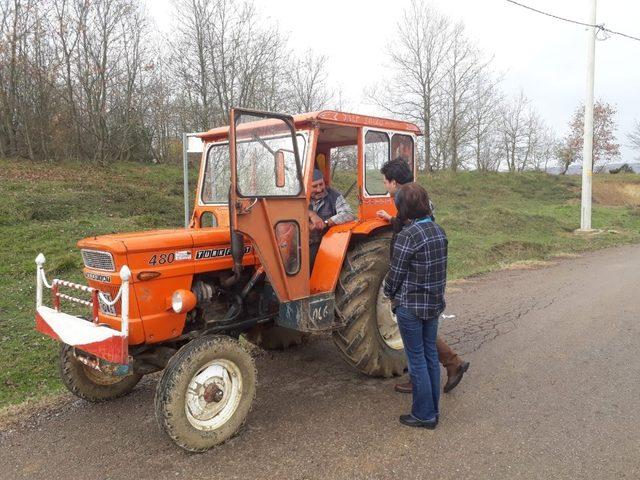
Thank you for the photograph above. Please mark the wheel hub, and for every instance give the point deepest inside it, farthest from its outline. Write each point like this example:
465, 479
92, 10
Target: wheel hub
100, 378
213, 394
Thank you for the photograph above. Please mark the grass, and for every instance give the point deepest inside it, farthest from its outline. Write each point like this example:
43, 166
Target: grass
492, 220
496, 219
48, 208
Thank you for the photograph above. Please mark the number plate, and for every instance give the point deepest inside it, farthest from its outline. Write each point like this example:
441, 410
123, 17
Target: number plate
311, 314
104, 308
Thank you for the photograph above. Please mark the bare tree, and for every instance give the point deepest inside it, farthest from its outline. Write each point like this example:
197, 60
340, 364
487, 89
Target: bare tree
191, 60
564, 155
634, 136
224, 57
545, 148
69, 19
417, 57
14, 29
27, 79
87, 79
434, 70
10, 13
439, 141
531, 141
464, 67
40, 96
526, 142
102, 50
512, 130
308, 84
166, 115
484, 117
128, 130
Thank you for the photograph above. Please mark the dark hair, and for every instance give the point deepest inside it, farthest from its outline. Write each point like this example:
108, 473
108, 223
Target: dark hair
412, 201
397, 170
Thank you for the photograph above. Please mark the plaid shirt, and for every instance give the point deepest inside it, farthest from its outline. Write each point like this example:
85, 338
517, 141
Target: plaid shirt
397, 226
418, 273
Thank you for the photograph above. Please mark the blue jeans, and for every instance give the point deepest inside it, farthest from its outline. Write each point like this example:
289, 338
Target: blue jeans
419, 337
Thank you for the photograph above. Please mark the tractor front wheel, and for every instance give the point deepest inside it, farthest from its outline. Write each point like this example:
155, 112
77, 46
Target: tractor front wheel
206, 392
371, 340
91, 384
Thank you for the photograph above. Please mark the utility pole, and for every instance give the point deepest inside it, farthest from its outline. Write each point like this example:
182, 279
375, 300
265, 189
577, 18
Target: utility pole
587, 147
185, 177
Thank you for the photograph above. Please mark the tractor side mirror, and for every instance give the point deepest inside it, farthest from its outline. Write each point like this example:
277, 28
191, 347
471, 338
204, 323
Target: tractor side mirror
279, 164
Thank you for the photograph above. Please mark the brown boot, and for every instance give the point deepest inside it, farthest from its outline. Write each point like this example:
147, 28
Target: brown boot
454, 377
403, 387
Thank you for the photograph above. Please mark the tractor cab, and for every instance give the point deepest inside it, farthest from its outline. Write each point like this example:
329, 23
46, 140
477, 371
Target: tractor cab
255, 179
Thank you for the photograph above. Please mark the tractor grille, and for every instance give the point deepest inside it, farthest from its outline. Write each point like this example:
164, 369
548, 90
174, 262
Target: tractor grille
98, 260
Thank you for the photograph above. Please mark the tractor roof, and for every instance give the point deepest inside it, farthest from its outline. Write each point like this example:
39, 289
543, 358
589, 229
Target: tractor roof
328, 117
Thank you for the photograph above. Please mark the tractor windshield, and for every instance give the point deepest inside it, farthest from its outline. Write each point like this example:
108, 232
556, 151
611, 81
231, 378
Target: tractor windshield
255, 173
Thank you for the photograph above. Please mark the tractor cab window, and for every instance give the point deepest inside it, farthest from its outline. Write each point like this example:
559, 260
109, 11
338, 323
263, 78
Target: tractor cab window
288, 240
402, 148
217, 175
376, 153
344, 172
265, 158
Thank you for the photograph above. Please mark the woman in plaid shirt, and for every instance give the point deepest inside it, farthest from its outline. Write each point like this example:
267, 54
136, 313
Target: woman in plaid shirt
415, 284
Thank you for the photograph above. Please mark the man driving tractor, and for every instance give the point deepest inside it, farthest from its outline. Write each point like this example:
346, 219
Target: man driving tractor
327, 208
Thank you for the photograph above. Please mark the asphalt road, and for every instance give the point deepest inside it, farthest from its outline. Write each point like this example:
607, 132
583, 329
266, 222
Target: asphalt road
553, 392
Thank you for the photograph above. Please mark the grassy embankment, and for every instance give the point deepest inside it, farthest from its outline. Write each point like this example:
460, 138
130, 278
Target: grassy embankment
492, 220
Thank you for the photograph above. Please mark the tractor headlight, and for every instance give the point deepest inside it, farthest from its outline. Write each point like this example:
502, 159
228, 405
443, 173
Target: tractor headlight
183, 301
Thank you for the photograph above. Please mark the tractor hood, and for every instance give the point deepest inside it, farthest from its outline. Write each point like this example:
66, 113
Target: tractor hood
156, 240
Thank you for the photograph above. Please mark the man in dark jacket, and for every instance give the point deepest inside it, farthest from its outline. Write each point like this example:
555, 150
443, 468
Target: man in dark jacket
327, 208
396, 173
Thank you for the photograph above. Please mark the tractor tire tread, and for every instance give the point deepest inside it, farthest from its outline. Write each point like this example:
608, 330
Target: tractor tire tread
359, 341
74, 377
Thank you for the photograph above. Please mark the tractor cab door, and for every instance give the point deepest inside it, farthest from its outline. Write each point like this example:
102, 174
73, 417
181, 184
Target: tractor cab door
267, 202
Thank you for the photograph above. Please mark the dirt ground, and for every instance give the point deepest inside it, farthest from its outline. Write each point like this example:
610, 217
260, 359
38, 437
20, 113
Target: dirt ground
552, 392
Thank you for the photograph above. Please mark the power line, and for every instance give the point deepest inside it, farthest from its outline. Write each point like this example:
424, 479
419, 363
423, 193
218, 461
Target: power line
621, 34
553, 16
599, 27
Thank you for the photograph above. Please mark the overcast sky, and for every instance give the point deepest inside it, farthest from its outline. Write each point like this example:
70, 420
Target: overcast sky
544, 57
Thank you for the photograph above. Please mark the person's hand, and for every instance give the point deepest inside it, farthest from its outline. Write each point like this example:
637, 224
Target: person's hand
394, 306
384, 215
315, 222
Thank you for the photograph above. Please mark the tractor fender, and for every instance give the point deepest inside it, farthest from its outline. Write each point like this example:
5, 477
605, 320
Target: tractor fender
367, 227
333, 250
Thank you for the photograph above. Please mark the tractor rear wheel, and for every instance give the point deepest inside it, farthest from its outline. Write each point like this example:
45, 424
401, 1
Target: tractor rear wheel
91, 384
206, 392
370, 341
274, 337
